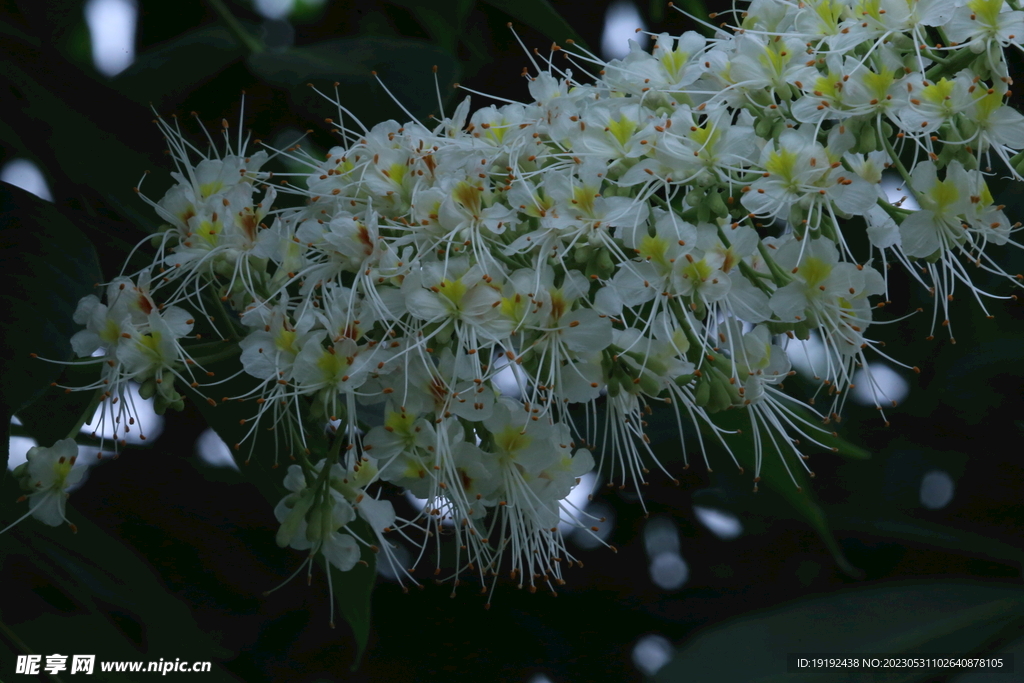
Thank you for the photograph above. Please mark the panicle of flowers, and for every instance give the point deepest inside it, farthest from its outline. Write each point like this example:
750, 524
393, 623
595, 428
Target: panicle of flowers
511, 291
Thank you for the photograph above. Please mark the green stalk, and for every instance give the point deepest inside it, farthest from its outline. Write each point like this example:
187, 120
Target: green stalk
781, 277
951, 66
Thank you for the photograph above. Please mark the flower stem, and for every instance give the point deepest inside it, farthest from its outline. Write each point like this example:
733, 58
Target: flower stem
950, 67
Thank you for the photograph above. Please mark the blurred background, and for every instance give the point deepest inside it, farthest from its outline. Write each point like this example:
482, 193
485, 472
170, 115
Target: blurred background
912, 541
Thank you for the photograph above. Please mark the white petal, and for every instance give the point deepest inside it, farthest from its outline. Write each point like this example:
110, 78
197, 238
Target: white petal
341, 550
378, 513
919, 234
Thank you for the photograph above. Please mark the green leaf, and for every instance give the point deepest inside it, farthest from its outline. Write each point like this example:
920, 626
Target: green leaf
92, 593
179, 66
48, 267
403, 65
907, 530
54, 415
541, 16
782, 474
69, 128
11, 32
353, 590
444, 23
945, 617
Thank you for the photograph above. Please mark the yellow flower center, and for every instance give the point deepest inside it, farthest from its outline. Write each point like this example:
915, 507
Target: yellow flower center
814, 271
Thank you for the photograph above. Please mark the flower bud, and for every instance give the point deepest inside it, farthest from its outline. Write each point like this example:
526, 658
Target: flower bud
148, 389
290, 525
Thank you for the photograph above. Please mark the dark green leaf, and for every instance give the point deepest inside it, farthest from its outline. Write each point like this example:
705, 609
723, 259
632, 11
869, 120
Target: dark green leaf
353, 590
95, 594
48, 267
180, 65
909, 531
77, 145
539, 15
403, 65
948, 617
443, 22
12, 32
783, 474
55, 414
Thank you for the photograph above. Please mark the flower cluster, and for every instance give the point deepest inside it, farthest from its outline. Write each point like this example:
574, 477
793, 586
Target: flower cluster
482, 302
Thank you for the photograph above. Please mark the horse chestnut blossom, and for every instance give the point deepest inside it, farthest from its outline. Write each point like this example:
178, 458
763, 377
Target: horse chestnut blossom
481, 309
45, 476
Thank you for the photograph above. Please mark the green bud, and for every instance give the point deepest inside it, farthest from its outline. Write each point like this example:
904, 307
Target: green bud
776, 327
315, 525
701, 311
949, 153
778, 128
683, 380
763, 127
717, 205
703, 210
867, 141
719, 397
702, 394
225, 269
649, 385
614, 386
148, 389
583, 253
445, 335
968, 128
166, 388
290, 525
327, 524
601, 265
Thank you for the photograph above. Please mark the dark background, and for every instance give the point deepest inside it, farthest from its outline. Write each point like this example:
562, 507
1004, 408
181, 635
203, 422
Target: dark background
207, 536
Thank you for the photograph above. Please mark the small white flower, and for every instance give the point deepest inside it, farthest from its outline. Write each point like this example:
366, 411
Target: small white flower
48, 473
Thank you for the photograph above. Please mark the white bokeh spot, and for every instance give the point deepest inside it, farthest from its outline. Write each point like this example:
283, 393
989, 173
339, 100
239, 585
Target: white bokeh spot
651, 653
722, 524
937, 489
212, 450
112, 32
879, 383
26, 175
620, 24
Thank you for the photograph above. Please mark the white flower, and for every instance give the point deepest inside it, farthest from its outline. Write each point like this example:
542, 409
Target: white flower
937, 226
799, 171
983, 23
47, 474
